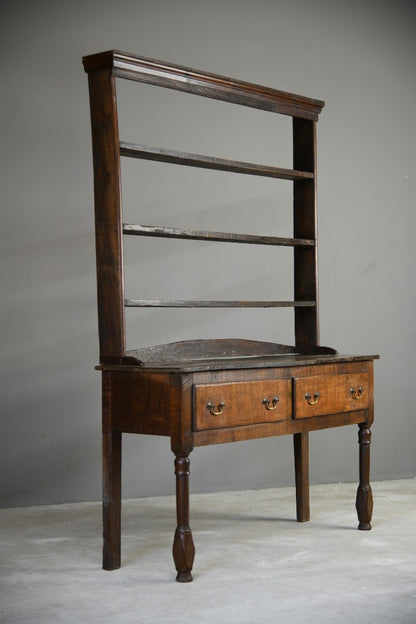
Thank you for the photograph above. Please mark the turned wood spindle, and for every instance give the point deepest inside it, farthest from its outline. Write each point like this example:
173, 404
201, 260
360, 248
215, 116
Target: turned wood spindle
183, 545
364, 503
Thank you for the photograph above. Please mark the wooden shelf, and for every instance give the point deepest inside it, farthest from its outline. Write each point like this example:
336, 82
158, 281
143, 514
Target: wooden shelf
169, 303
223, 237
208, 162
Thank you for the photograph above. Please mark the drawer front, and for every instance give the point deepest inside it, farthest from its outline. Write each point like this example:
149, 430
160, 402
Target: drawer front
241, 403
330, 394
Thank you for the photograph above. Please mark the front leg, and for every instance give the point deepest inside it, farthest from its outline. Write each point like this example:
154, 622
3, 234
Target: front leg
183, 545
364, 502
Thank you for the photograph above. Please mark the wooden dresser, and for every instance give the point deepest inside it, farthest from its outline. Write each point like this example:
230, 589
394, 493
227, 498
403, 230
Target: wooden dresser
201, 392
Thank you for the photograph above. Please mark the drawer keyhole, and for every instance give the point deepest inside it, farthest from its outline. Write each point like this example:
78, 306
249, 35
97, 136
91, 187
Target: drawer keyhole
271, 405
312, 400
212, 406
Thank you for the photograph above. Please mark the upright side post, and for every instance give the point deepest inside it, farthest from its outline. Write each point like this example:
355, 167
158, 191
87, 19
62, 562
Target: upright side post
305, 226
305, 283
108, 219
110, 295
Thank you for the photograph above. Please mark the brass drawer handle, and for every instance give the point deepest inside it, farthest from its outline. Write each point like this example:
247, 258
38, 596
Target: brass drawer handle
314, 400
357, 394
273, 405
211, 407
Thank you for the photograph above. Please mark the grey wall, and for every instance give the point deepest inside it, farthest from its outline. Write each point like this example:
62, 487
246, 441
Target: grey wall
359, 57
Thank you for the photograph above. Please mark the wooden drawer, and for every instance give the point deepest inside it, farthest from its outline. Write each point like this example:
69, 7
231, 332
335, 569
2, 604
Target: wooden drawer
241, 403
330, 394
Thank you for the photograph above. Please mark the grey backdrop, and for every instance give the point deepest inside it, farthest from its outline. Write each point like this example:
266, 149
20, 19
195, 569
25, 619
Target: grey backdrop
360, 58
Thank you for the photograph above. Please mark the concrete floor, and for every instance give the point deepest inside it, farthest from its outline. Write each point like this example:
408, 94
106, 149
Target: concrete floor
254, 564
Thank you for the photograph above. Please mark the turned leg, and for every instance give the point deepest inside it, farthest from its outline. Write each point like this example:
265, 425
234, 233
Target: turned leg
301, 449
111, 499
183, 545
364, 502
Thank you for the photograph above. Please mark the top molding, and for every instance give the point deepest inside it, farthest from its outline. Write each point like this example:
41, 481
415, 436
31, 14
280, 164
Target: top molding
133, 67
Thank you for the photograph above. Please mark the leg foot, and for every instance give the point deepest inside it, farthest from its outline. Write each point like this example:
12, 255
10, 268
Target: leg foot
183, 545
364, 502
183, 555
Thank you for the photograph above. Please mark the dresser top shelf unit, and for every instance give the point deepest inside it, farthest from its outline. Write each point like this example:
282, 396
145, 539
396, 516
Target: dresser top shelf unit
102, 69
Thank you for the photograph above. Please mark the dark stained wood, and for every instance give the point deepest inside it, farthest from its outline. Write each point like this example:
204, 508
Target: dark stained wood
301, 451
304, 226
145, 403
290, 366
206, 84
180, 427
364, 502
223, 237
108, 223
286, 427
183, 545
201, 392
208, 162
170, 303
111, 450
364, 499
186, 350
268, 362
